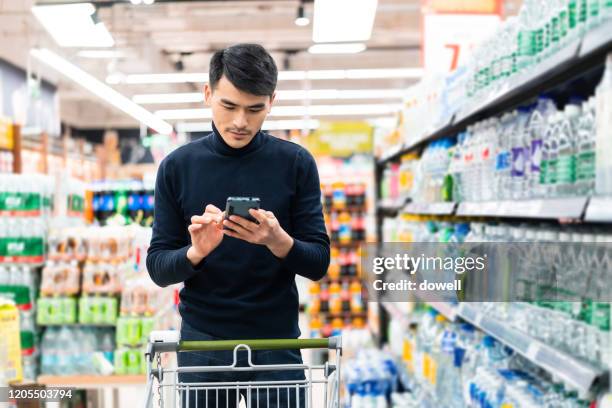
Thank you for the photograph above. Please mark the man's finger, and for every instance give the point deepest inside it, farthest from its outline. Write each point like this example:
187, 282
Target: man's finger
201, 219
236, 227
212, 209
194, 227
207, 218
270, 214
231, 233
259, 215
244, 223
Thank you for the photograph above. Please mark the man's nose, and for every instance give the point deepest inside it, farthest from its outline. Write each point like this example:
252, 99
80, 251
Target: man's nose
240, 120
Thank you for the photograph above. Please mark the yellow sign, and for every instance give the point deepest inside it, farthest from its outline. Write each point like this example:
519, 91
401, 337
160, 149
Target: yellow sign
464, 6
6, 134
340, 139
10, 343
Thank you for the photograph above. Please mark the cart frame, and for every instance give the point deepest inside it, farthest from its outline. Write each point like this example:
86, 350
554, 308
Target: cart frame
169, 342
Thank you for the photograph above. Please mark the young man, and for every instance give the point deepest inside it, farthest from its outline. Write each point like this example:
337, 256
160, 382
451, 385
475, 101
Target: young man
239, 281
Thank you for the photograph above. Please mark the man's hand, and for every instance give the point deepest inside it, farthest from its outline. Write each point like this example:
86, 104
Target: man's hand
268, 232
206, 232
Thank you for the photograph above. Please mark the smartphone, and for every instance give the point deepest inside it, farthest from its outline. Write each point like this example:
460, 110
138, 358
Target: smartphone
240, 206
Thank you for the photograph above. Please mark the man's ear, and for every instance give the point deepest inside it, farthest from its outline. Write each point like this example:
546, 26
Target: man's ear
207, 94
272, 98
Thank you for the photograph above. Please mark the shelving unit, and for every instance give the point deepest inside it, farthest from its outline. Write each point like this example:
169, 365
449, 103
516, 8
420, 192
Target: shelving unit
574, 59
581, 375
578, 60
92, 381
587, 209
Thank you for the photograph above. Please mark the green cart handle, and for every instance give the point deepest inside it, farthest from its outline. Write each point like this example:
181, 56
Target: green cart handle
271, 344
169, 341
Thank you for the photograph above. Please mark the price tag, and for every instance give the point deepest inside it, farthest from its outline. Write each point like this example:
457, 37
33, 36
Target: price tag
407, 354
532, 350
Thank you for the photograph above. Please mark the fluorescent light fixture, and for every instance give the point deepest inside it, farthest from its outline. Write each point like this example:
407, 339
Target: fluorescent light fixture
166, 78
267, 125
346, 48
289, 95
72, 25
161, 99
101, 90
101, 54
202, 77
289, 111
343, 20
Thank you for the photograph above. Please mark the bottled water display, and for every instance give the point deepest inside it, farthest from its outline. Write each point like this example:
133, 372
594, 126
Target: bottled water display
537, 151
370, 379
454, 365
432, 183
520, 46
71, 351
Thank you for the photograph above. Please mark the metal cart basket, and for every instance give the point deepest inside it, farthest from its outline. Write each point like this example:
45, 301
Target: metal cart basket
164, 388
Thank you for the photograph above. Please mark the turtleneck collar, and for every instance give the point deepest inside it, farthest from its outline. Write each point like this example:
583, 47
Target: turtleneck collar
223, 148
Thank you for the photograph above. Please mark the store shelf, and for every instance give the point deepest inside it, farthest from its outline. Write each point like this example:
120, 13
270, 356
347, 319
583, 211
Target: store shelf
430, 208
570, 61
542, 209
446, 309
599, 210
92, 381
595, 40
391, 205
574, 372
396, 313
104, 325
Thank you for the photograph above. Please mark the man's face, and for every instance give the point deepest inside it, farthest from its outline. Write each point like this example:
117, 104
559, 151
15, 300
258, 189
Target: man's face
237, 115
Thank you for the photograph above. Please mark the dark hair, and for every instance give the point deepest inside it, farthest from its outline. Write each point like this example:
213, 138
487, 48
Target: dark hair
248, 67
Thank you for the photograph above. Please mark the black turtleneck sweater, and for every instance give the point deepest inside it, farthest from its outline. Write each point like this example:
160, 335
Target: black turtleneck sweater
240, 290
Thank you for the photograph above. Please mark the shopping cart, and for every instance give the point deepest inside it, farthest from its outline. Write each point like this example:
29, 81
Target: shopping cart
163, 383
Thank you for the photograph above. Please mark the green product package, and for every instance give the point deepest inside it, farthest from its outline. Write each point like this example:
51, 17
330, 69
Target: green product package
69, 310
85, 316
18, 294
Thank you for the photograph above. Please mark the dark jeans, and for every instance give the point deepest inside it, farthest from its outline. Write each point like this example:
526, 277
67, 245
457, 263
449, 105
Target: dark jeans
281, 396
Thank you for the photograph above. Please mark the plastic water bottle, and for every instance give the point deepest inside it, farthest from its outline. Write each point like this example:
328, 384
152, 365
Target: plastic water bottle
520, 154
488, 159
585, 154
550, 154
606, 10
566, 164
603, 95
536, 126
48, 361
501, 175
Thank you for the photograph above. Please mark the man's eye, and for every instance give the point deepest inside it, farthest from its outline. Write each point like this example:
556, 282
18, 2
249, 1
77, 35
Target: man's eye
228, 107
256, 110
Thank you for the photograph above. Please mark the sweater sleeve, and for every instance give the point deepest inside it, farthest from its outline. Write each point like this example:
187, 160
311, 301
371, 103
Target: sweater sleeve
309, 256
167, 261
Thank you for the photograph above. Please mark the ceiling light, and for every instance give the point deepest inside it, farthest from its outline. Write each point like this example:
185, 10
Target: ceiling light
72, 25
101, 90
267, 125
301, 19
343, 20
348, 48
148, 2
136, 2
152, 99
288, 95
288, 111
100, 54
202, 77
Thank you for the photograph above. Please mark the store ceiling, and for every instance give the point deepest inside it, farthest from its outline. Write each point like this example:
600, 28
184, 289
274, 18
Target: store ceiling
153, 39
